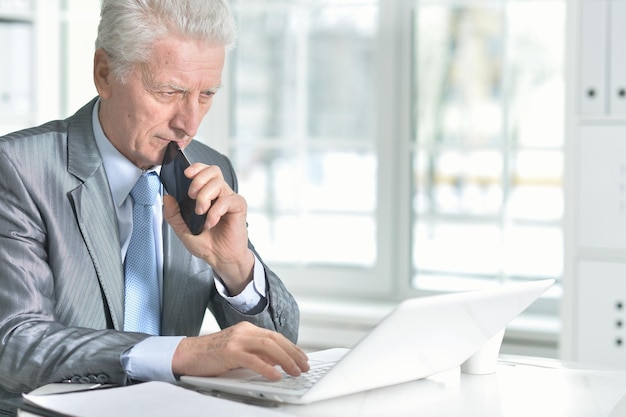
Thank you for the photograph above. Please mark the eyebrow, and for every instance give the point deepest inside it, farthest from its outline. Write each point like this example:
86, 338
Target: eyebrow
211, 90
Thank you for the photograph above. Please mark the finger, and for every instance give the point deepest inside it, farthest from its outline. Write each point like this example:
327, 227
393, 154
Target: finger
291, 358
296, 363
269, 347
301, 359
208, 196
278, 350
259, 365
222, 206
194, 169
254, 348
207, 186
201, 176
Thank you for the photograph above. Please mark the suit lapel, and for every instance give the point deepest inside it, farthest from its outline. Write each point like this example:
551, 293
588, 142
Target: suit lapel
95, 211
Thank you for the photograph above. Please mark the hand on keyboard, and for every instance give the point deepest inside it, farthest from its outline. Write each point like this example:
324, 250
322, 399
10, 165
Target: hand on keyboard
304, 381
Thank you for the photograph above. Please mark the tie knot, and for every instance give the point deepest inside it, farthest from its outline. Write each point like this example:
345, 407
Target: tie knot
146, 188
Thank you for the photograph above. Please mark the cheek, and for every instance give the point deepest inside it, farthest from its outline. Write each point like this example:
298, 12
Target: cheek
143, 119
157, 112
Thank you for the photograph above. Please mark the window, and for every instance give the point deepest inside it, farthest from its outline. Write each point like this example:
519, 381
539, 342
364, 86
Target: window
488, 145
16, 74
304, 135
386, 148
392, 147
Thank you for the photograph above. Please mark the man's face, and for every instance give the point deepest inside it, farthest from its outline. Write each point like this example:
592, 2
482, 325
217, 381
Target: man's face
160, 102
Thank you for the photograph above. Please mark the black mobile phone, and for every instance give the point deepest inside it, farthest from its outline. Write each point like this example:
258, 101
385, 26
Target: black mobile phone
177, 184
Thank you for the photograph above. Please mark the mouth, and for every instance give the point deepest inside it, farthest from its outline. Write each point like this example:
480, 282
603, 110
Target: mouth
166, 140
180, 142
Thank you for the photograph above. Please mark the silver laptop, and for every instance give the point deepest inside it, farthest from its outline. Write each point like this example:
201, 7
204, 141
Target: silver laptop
421, 337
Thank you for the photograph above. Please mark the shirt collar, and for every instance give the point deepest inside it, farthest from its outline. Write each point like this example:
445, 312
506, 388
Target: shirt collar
121, 173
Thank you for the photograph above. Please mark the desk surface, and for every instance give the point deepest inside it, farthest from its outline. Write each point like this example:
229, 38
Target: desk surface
521, 386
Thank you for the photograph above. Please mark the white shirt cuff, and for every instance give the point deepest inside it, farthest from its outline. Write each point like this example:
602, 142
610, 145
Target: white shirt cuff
151, 359
252, 298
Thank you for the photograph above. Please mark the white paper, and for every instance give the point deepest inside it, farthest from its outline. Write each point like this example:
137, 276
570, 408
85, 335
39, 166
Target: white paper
154, 399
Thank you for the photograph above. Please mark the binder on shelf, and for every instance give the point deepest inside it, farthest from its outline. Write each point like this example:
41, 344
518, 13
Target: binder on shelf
593, 57
617, 66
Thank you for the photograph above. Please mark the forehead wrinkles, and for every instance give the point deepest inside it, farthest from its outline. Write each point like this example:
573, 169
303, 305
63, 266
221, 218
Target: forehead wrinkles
151, 83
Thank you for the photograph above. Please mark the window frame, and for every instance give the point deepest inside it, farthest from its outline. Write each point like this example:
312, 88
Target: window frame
390, 280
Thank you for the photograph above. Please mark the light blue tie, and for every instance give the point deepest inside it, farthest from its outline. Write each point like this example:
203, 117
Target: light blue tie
142, 307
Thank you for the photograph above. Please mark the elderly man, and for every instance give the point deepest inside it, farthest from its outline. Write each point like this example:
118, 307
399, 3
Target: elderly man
92, 289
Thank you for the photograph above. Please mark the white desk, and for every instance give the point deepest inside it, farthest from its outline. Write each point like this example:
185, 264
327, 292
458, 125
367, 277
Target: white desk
522, 386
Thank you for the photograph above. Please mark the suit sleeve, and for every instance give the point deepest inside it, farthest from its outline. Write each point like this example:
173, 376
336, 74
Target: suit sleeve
37, 345
281, 312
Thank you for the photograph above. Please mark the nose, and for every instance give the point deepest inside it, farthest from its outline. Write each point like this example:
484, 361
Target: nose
188, 116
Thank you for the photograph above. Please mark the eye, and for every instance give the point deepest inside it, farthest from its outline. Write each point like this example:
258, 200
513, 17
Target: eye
206, 96
168, 95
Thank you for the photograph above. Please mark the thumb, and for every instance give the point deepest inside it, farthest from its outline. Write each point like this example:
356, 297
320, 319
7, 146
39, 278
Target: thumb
171, 213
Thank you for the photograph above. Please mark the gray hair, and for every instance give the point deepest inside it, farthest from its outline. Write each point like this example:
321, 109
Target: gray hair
128, 28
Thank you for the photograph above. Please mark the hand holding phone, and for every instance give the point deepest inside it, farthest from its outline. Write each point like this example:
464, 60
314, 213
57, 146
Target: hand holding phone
177, 185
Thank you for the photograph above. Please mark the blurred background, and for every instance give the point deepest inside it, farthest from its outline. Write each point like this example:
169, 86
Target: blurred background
387, 149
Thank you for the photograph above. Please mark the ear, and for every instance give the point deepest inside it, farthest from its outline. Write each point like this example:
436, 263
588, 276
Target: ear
102, 73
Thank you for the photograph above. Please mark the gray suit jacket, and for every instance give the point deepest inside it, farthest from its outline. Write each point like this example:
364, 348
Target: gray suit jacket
61, 274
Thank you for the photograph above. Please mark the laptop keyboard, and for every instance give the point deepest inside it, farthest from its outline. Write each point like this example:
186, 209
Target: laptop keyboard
304, 381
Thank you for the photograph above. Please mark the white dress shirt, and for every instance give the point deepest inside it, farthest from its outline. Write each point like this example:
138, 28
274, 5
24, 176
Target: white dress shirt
152, 359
